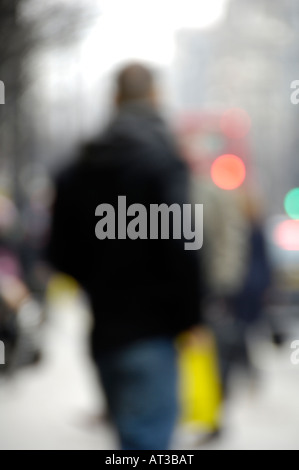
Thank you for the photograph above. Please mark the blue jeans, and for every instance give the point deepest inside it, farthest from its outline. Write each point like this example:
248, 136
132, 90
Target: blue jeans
140, 383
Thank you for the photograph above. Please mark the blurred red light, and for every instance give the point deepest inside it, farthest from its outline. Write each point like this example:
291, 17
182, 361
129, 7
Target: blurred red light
228, 172
286, 235
235, 123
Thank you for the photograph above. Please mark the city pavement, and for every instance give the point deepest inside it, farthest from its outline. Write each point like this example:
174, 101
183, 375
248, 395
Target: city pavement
58, 404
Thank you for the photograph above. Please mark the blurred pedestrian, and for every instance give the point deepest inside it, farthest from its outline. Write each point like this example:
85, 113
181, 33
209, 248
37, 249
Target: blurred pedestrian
20, 314
225, 257
143, 292
250, 299
249, 302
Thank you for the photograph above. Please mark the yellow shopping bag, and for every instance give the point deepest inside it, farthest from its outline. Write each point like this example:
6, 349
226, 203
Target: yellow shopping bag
200, 388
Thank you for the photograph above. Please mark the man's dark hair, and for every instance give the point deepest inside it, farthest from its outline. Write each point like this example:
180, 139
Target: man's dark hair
134, 82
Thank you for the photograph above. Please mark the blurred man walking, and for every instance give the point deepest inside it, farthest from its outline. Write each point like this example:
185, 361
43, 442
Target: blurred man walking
143, 291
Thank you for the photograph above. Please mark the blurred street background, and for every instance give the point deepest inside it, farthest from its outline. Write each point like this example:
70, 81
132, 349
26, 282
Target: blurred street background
227, 71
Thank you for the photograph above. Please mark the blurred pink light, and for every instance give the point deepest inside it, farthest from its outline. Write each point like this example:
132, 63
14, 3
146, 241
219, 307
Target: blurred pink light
286, 235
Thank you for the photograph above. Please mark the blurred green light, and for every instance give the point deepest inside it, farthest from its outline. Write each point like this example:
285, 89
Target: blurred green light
291, 203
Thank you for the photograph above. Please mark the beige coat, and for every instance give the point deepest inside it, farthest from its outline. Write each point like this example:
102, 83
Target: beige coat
226, 236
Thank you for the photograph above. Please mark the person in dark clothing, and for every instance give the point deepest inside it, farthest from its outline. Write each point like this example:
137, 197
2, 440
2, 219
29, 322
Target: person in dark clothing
143, 292
249, 302
247, 305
